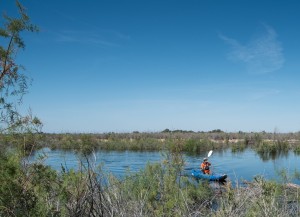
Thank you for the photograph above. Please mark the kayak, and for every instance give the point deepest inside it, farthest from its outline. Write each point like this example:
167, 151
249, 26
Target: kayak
198, 174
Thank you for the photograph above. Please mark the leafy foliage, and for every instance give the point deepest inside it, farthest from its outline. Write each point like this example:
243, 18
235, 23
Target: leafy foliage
13, 83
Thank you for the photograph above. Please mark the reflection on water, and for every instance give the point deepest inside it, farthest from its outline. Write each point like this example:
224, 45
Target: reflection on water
237, 165
266, 156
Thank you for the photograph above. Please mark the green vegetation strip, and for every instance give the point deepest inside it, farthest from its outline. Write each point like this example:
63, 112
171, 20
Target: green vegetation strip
158, 190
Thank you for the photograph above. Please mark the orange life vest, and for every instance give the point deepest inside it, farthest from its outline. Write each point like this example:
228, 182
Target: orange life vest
205, 167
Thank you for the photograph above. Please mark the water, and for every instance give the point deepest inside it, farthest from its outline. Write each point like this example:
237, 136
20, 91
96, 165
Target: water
238, 166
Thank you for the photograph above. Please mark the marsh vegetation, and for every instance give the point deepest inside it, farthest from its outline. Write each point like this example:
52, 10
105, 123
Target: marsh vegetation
157, 190
189, 142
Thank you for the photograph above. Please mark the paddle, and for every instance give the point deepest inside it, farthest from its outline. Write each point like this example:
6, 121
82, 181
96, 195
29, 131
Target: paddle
209, 153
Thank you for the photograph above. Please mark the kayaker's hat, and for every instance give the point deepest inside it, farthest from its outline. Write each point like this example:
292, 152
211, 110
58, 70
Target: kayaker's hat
205, 159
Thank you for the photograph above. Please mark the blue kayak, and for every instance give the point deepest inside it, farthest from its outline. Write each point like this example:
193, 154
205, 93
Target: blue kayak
198, 174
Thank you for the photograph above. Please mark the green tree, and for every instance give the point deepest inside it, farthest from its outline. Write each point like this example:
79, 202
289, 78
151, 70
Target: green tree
18, 196
13, 81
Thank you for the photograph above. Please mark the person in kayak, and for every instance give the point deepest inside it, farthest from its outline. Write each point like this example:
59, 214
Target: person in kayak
205, 166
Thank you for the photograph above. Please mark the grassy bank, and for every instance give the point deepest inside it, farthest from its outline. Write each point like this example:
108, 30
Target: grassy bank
158, 190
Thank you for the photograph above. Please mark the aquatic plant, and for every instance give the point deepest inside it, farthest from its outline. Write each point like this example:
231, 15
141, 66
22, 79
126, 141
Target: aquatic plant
238, 147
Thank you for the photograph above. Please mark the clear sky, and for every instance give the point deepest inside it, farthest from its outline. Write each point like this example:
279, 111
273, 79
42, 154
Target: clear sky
148, 65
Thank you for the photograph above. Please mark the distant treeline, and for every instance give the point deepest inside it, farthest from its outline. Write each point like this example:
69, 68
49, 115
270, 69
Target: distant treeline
187, 141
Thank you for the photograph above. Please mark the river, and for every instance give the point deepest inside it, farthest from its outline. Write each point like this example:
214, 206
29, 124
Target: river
237, 165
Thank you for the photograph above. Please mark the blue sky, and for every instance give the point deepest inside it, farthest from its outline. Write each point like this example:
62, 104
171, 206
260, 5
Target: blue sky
122, 66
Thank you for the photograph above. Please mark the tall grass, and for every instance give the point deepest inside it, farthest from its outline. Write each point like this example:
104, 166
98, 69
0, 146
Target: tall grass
260, 198
158, 190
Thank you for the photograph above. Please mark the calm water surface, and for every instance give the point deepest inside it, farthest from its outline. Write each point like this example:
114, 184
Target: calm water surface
238, 166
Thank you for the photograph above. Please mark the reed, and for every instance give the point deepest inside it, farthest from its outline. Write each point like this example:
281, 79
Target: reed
158, 190
267, 145
238, 147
